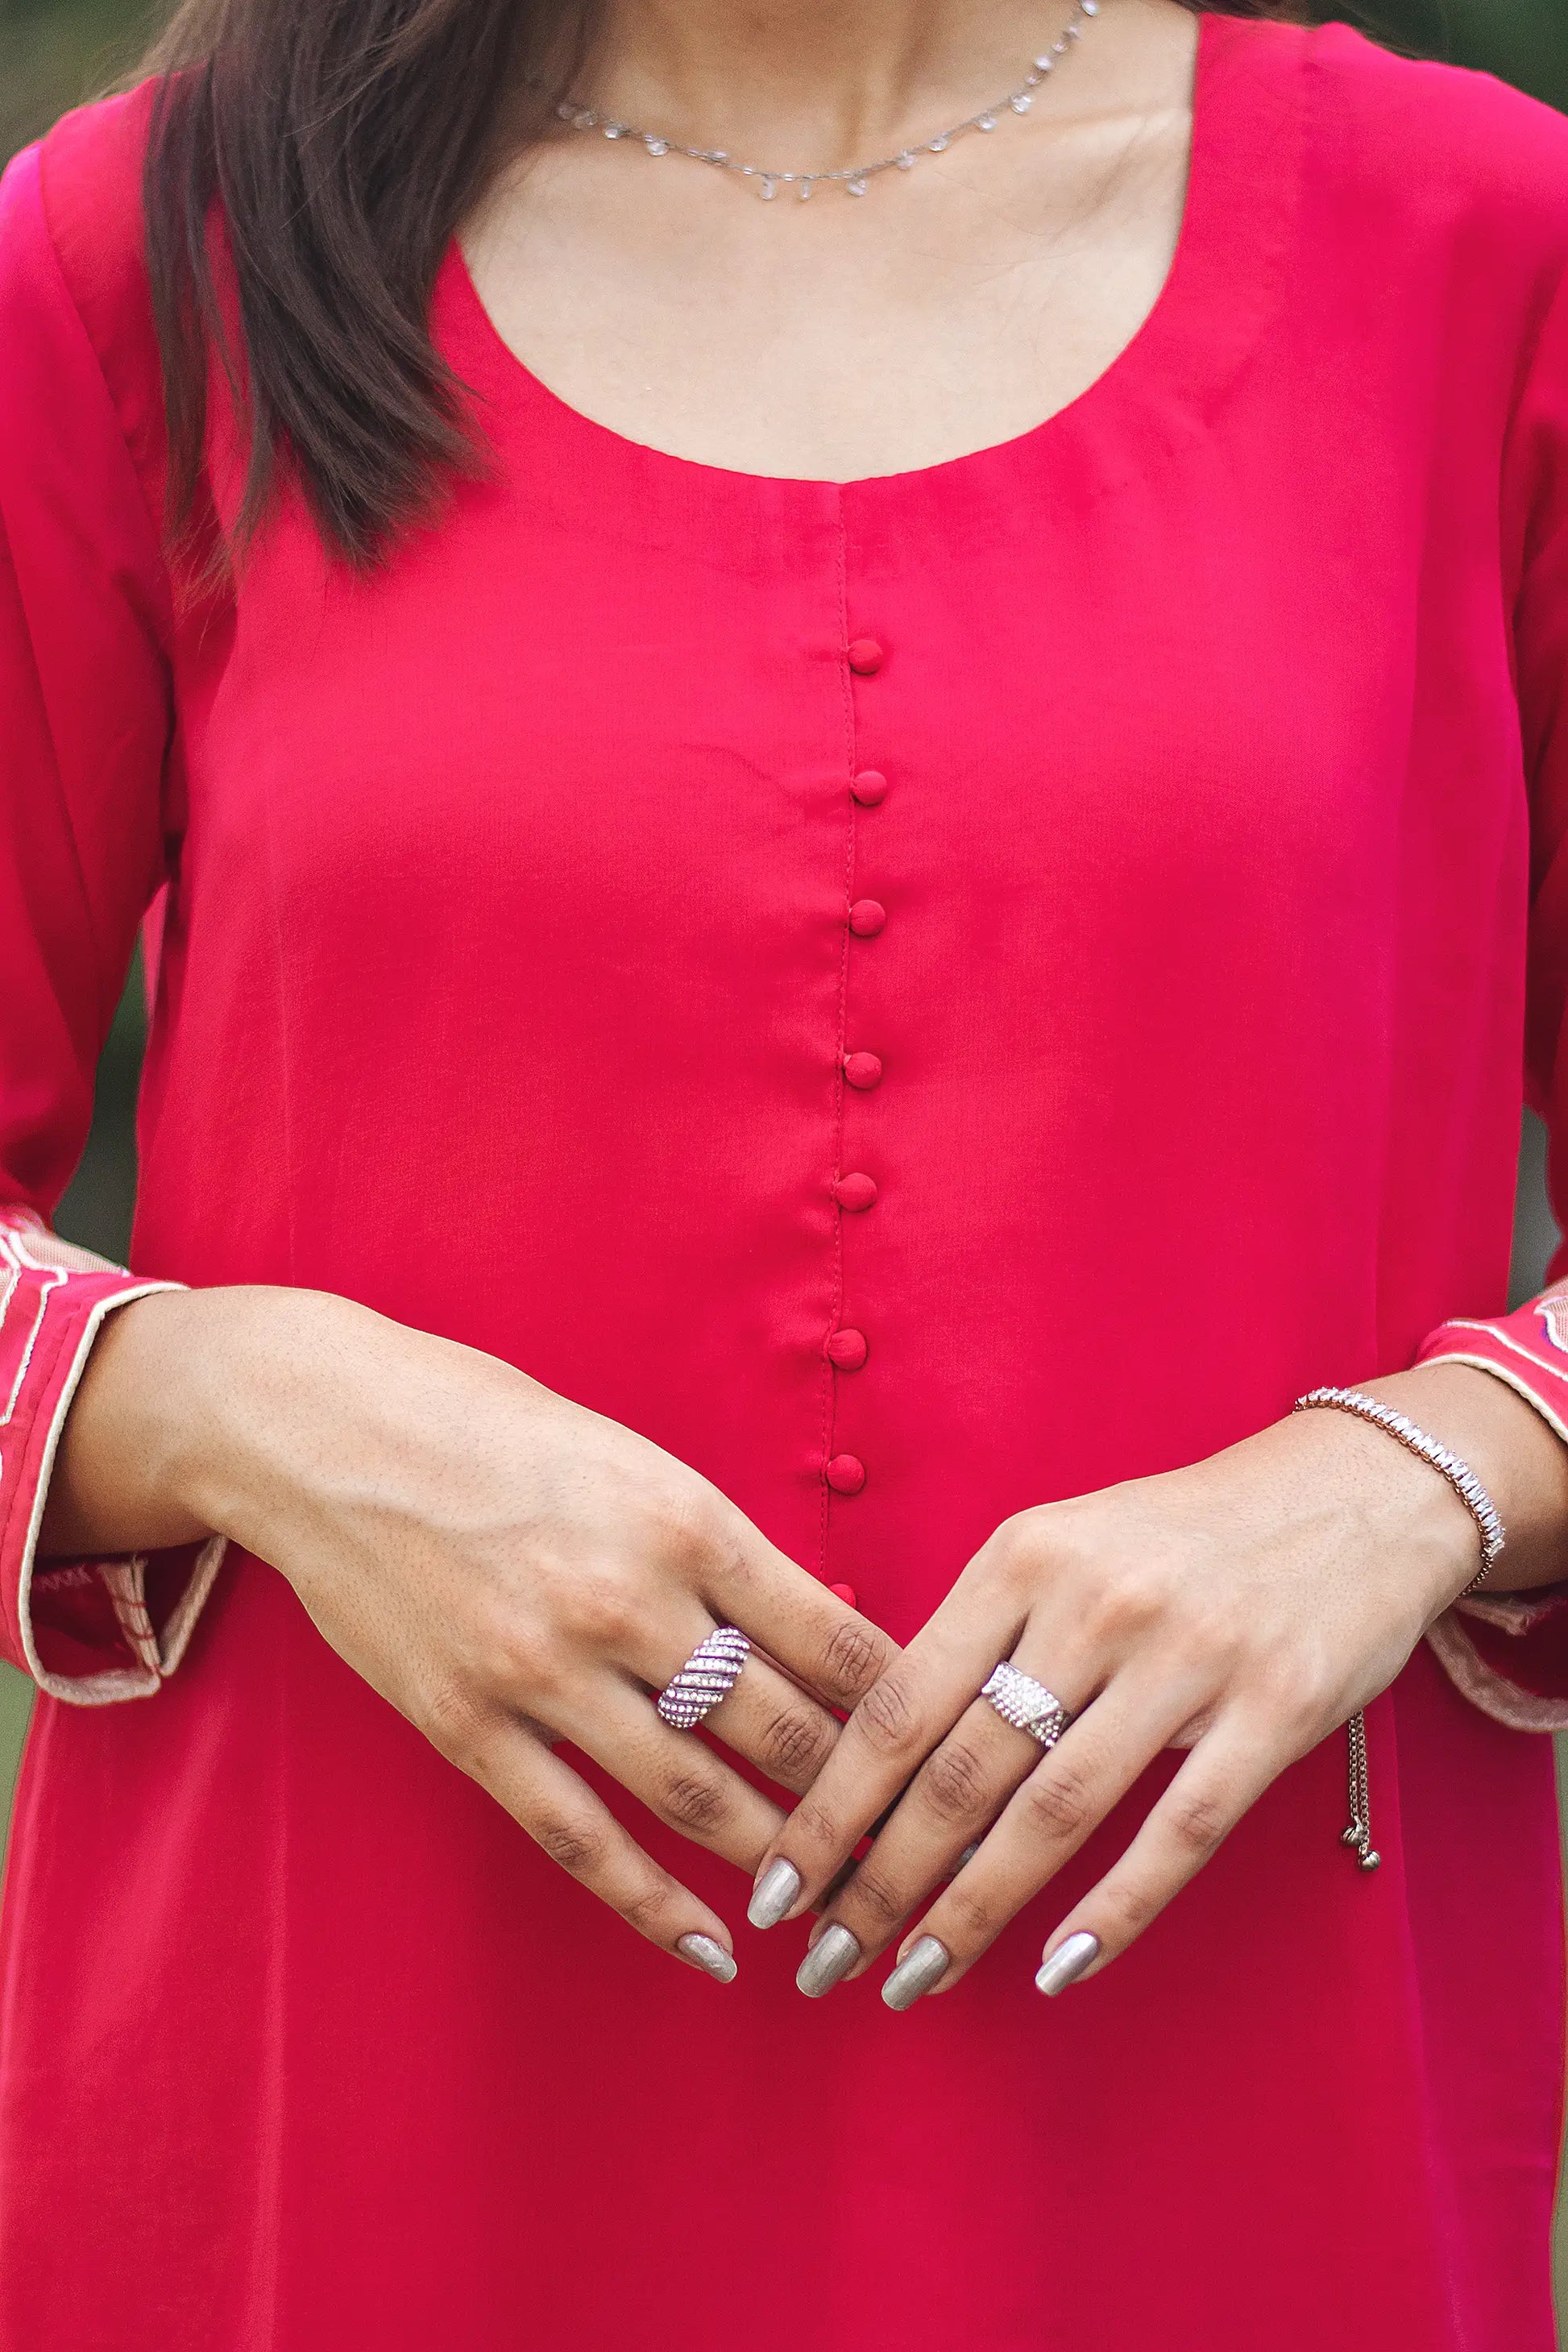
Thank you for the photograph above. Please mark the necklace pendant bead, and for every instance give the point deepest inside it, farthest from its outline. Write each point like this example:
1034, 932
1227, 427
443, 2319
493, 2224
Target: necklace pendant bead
614, 129
938, 146
1020, 101
986, 122
1045, 64
1090, 7
855, 187
767, 188
566, 112
804, 189
905, 163
657, 146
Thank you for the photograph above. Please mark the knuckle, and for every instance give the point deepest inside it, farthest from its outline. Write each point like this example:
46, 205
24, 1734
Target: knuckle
975, 1919
795, 1744
813, 1823
877, 1897
455, 1724
850, 1663
955, 1781
1299, 1694
1124, 1607
598, 1612
577, 1848
1198, 1821
693, 1802
697, 1534
520, 1670
1130, 1908
1016, 1554
1059, 1804
884, 1716
644, 1910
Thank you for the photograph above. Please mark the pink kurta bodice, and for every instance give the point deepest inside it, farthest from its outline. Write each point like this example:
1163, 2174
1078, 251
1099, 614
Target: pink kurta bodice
1139, 1047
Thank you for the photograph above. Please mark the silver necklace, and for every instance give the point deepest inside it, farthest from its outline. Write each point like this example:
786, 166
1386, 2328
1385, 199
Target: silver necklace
854, 178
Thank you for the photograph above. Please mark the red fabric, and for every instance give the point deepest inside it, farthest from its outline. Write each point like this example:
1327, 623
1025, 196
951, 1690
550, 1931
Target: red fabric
59, 1625
506, 983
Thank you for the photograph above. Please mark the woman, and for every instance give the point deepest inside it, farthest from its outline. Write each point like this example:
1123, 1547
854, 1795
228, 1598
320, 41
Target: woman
848, 729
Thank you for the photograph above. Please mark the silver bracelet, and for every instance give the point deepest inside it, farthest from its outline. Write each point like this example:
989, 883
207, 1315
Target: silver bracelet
1460, 1475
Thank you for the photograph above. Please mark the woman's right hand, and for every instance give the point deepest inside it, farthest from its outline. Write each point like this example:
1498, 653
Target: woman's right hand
506, 1568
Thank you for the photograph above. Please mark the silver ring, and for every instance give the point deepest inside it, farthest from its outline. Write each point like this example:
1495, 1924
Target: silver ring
1025, 1704
710, 1674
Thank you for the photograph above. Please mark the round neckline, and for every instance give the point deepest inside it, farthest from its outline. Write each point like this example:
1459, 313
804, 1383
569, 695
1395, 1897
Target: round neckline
1224, 274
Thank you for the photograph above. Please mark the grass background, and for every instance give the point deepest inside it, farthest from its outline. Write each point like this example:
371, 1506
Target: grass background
55, 53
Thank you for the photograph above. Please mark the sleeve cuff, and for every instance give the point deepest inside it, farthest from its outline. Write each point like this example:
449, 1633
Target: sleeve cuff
88, 1632
1507, 1653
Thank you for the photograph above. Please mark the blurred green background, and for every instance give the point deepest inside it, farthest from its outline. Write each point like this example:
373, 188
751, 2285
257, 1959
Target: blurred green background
54, 53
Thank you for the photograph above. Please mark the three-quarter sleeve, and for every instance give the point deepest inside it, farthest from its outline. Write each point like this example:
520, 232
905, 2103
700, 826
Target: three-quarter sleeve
84, 737
1509, 1654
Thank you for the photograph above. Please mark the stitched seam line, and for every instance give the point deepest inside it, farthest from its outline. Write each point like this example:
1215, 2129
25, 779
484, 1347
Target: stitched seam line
829, 1385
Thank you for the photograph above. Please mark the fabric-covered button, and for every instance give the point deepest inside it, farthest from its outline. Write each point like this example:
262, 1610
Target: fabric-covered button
847, 1349
863, 1070
868, 787
864, 657
866, 916
856, 1191
845, 1473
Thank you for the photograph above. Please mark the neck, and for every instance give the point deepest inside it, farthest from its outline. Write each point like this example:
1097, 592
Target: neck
803, 83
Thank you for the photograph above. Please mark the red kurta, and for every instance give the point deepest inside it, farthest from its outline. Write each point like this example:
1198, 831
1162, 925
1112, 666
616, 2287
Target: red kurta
508, 984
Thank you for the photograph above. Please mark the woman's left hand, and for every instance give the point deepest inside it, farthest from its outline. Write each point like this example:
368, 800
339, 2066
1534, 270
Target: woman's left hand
1242, 1609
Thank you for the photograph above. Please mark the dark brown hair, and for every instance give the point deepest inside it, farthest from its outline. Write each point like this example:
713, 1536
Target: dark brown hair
341, 142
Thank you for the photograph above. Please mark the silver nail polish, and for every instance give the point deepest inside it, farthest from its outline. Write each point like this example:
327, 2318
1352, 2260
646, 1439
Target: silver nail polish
926, 1965
966, 1857
711, 1957
774, 1893
832, 1955
1066, 1963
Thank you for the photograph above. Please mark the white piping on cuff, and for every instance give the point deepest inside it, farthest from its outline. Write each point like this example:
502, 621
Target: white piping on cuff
1485, 1364
1511, 1612
125, 1580
1471, 1677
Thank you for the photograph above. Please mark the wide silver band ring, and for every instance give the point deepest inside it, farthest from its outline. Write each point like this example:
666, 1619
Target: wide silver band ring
710, 1674
1025, 1704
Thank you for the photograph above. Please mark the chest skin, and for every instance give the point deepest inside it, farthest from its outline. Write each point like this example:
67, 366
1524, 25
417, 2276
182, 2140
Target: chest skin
954, 307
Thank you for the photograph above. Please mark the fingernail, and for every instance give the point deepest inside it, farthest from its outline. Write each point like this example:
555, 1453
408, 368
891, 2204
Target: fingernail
833, 1956
925, 1965
774, 1893
1066, 1963
711, 1957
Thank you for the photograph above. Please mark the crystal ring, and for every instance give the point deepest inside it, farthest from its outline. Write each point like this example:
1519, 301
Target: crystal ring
1027, 1704
710, 1674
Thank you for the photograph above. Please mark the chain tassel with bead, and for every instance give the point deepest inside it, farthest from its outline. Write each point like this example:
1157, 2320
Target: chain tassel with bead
1471, 1492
